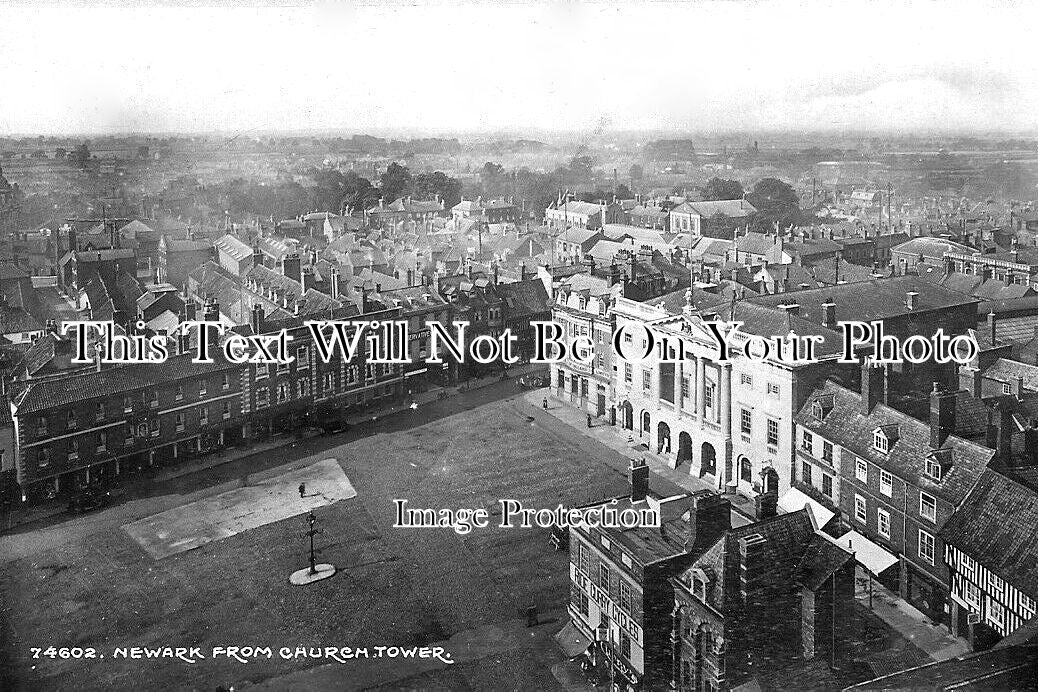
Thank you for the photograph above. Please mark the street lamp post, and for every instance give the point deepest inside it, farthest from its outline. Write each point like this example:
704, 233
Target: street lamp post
311, 533
316, 571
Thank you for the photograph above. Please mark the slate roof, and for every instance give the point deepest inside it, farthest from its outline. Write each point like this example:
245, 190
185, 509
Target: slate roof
523, 298
233, 246
39, 353
104, 255
791, 544
10, 271
811, 247
187, 245
596, 286
41, 395
652, 212
578, 208
825, 272
931, 248
578, 235
1015, 666
846, 425
131, 229
410, 206
997, 525
755, 243
16, 321
415, 297
735, 208
272, 247
605, 250
973, 285
768, 322
873, 300
1007, 371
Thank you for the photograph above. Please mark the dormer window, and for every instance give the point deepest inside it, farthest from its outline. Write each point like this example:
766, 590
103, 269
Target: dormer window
884, 437
938, 463
933, 468
699, 580
822, 406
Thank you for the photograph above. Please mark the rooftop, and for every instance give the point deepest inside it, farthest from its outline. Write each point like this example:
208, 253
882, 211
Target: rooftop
873, 300
844, 423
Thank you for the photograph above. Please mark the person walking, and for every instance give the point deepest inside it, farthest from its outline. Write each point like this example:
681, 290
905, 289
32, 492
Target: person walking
302, 490
545, 403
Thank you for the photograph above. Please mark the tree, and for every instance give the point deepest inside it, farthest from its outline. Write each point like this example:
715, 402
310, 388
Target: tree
396, 182
720, 189
329, 189
492, 179
581, 167
776, 203
358, 192
81, 154
60, 154
428, 185
637, 172
772, 196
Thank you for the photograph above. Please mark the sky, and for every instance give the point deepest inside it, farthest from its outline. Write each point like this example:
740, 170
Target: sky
439, 67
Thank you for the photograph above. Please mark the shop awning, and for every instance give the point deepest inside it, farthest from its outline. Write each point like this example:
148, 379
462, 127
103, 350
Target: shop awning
572, 640
794, 501
867, 554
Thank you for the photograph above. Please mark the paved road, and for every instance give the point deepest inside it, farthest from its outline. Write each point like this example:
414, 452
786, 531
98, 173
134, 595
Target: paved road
397, 586
149, 497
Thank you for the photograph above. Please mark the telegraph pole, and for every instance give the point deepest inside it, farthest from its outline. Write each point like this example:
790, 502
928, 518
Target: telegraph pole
113, 233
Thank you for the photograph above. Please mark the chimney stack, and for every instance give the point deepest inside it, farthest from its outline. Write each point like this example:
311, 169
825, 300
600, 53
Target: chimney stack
829, 314
334, 281
991, 327
708, 519
1003, 432
639, 472
766, 505
872, 385
942, 416
256, 320
290, 266
912, 299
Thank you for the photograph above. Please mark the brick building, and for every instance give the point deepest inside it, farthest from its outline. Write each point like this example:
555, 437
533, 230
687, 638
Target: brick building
621, 596
756, 599
79, 428
178, 258
899, 480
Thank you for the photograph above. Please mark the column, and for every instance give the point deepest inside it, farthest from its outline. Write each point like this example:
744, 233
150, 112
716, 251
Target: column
726, 421
679, 371
701, 387
725, 409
